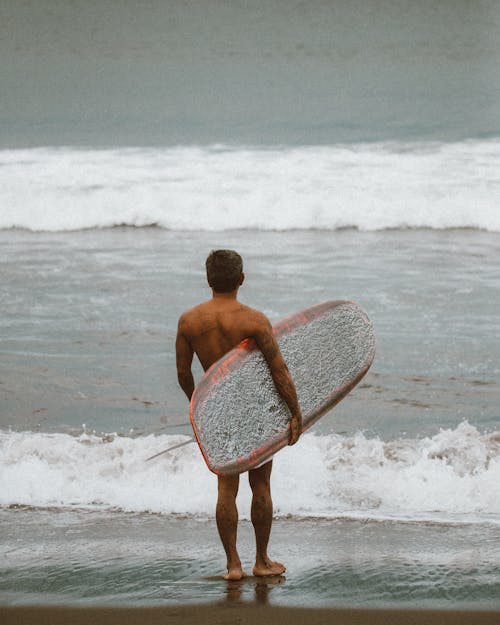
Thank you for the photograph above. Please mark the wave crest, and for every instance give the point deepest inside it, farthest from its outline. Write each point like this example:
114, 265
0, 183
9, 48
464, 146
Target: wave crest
366, 186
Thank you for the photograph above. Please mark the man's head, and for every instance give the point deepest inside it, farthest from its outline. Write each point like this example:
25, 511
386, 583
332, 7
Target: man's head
224, 270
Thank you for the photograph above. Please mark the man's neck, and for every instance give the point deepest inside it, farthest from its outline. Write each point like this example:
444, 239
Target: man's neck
232, 295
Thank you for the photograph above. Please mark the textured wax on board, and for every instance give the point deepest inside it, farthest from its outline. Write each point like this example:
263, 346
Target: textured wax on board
327, 352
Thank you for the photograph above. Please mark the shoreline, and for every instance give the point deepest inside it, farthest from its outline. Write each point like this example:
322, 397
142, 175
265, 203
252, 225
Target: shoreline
241, 614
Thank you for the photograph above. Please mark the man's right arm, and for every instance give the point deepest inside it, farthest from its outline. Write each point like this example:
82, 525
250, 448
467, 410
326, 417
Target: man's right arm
184, 358
268, 345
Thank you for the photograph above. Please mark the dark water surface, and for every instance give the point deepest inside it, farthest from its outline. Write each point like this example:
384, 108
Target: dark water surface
278, 72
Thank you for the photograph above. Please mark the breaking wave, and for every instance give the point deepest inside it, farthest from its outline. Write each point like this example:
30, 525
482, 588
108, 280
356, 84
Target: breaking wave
450, 477
365, 186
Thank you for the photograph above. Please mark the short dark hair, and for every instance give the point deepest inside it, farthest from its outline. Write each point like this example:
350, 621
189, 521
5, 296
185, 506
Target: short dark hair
224, 269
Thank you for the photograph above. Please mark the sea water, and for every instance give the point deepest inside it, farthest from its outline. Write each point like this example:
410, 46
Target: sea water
376, 182
89, 393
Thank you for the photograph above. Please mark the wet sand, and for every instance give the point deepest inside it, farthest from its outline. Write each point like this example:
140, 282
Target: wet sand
240, 615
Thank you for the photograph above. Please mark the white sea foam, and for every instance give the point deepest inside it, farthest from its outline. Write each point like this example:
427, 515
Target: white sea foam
367, 186
452, 476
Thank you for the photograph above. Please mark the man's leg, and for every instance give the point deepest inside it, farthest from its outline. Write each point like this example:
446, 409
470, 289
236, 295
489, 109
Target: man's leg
262, 518
227, 523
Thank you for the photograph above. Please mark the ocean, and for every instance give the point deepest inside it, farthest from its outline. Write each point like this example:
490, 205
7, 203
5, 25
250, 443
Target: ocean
347, 151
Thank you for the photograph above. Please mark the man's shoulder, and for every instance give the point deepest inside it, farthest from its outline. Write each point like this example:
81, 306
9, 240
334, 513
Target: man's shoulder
190, 315
258, 315
255, 317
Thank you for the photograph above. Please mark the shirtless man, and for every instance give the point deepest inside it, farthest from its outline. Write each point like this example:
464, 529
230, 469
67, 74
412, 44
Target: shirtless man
210, 330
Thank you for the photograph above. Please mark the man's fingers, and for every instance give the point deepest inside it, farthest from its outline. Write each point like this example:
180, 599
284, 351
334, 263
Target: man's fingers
294, 433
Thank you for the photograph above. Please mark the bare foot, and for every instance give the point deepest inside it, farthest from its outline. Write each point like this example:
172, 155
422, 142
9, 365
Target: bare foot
268, 568
234, 574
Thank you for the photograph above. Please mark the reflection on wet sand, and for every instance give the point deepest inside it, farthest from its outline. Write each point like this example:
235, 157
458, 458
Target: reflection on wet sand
262, 588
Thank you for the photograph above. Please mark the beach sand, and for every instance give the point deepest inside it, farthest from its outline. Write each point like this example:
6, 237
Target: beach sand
238, 614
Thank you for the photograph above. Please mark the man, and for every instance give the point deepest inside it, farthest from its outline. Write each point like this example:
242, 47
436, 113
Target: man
210, 330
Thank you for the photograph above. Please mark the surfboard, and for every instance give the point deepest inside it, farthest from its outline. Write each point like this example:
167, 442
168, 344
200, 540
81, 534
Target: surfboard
238, 417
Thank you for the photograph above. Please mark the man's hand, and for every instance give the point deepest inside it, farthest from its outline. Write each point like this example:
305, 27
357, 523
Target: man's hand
295, 430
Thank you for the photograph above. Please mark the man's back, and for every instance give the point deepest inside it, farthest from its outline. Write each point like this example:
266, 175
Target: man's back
213, 328
216, 326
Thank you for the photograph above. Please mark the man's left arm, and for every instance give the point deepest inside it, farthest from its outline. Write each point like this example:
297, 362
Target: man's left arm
268, 345
184, 359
